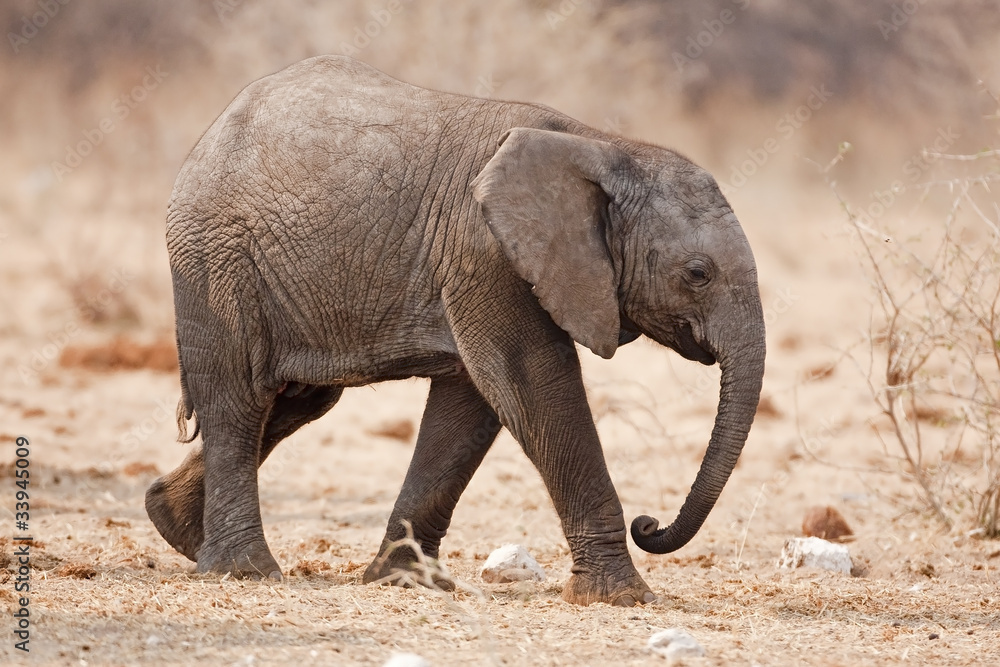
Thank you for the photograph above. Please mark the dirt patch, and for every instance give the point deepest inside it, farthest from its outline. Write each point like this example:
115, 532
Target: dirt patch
310, 567
138, 469
122, 354
402, 430
766, 408
826, 523
76, 571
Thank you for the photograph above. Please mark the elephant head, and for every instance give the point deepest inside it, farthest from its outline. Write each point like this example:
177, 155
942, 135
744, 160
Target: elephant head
620, 239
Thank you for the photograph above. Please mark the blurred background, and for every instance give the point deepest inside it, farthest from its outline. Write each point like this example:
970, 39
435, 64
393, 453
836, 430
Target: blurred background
803, 110
101, 101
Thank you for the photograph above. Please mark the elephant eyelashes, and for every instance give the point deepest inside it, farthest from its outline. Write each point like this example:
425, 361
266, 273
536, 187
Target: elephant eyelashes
698, 272
698, 275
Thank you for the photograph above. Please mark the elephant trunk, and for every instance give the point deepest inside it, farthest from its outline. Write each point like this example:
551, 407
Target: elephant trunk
742, 374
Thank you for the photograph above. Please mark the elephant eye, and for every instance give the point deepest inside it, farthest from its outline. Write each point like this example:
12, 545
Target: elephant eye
698, 274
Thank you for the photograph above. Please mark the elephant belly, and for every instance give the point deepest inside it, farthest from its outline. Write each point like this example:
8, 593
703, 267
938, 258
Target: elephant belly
327, 368
358, 341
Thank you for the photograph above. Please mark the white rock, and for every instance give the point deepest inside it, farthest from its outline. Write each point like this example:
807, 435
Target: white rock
511, 562
815, 552
406, 660
675, 643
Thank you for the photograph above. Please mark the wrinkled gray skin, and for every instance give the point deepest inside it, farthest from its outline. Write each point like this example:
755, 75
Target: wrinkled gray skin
335, 227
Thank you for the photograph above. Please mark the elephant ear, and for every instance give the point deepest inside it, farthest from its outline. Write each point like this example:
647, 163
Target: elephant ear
543, 195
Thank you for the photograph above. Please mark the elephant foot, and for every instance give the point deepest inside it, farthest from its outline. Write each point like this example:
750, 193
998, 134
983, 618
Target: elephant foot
175, 504
400, 567
249, 560
620, 591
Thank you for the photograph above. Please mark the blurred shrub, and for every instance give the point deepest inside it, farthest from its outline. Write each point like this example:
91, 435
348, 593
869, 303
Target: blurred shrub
903, 56
932, 354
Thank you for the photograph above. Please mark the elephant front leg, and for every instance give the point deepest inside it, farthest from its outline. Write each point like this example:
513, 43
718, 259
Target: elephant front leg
562, 443
456, 431
537, 389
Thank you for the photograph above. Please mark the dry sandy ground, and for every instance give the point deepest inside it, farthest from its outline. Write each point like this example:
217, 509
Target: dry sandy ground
106, 589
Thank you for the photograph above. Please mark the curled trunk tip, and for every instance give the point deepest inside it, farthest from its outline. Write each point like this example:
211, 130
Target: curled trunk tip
647, 537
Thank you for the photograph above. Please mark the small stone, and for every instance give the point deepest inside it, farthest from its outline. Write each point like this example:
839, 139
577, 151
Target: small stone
406, 660
511, 562
814, 552
933, 635
826, 523
675, 643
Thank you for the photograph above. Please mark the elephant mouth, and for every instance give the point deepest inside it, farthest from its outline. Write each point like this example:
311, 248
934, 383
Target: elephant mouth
686, 345
628, 331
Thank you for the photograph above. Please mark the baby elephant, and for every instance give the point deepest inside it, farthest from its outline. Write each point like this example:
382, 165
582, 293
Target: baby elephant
336, 227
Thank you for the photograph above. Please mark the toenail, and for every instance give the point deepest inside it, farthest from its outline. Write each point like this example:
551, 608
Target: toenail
625, 601
648, 597
276, 575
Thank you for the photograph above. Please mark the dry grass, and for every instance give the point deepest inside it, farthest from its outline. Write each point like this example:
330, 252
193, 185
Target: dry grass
107, 590
115, 607
932, 354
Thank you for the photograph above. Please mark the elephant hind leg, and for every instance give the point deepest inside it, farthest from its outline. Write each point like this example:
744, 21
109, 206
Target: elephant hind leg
456, 431
290, 413
175, 502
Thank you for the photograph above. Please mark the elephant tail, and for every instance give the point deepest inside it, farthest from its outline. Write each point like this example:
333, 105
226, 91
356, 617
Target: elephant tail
185, 406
